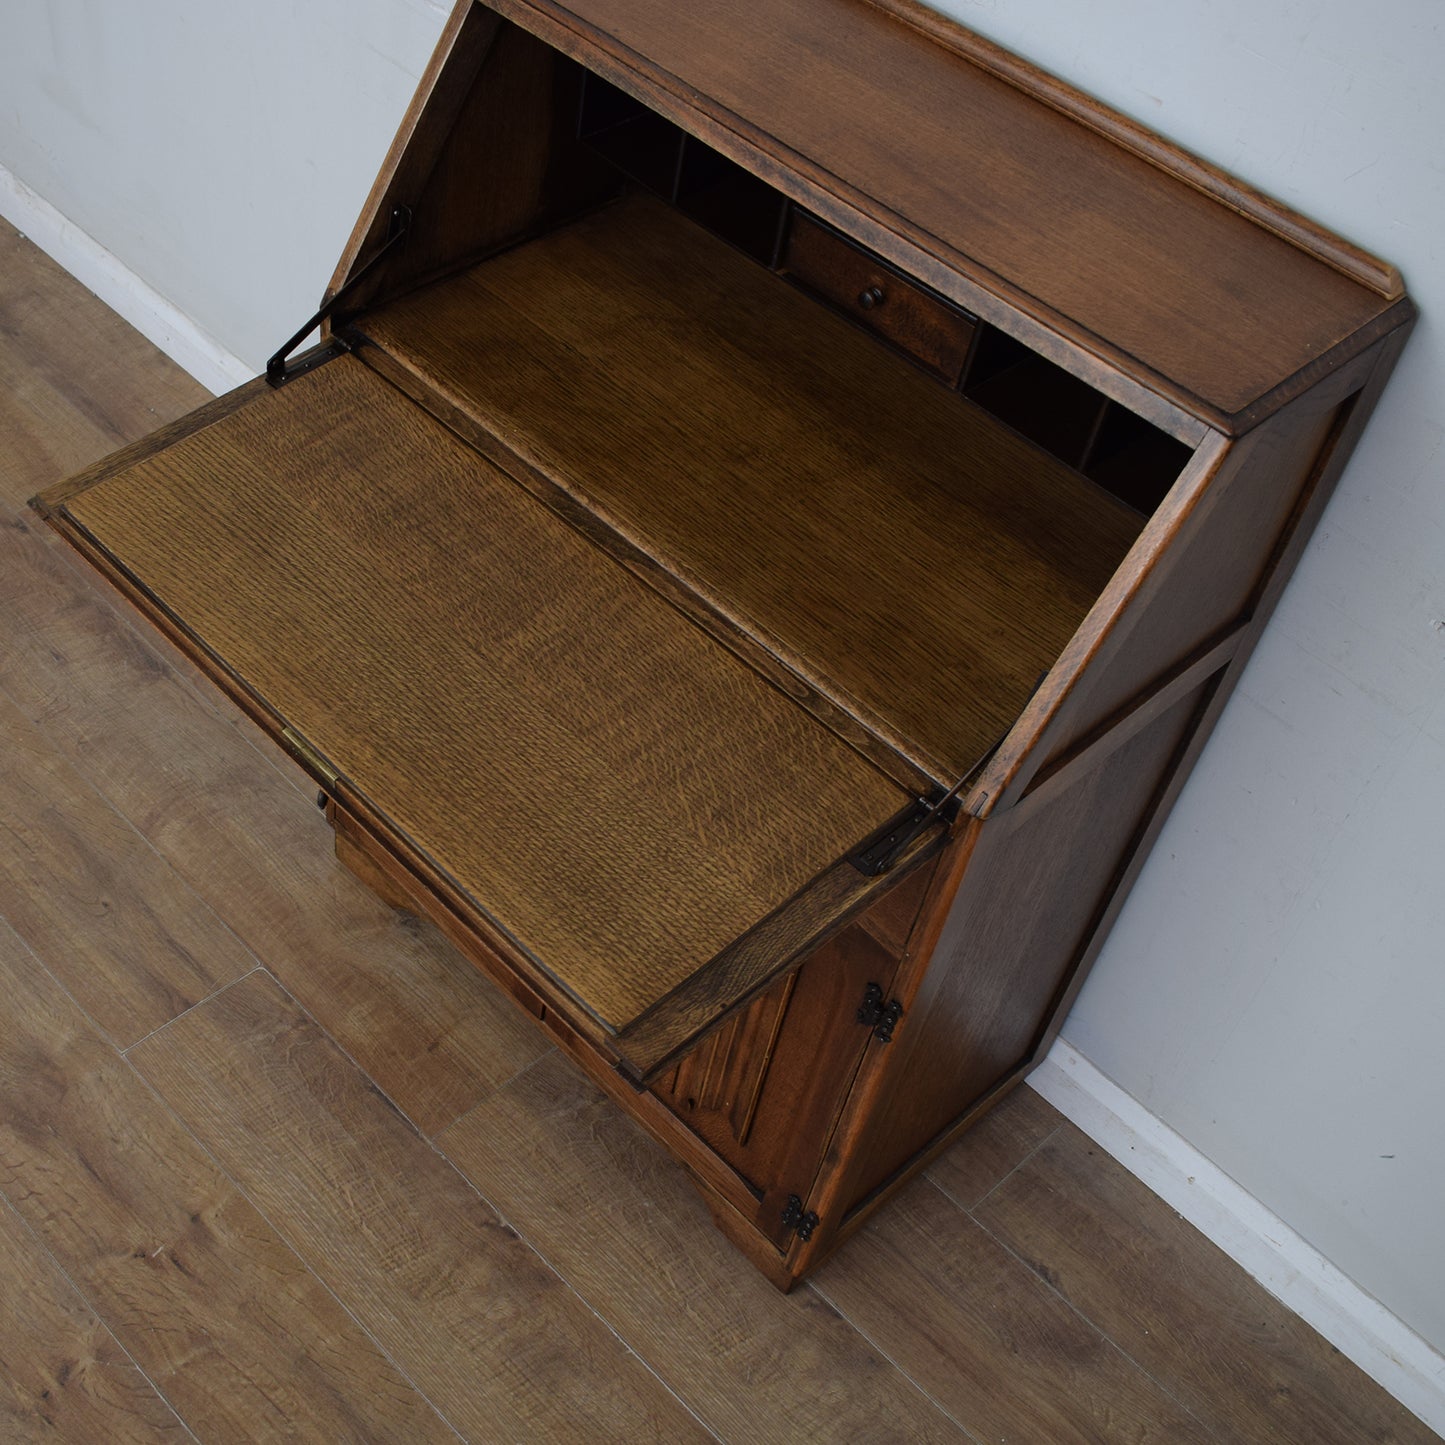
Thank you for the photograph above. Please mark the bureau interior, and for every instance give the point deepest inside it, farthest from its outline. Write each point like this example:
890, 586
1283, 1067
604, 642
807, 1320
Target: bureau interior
903, 520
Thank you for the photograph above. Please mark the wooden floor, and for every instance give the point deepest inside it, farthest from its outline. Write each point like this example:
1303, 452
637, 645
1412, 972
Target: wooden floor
277, 1163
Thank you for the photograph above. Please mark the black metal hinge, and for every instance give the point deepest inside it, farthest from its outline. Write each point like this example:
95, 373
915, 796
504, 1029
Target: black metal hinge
878, 852
881, 1017
801, 1224
278, 370
881, 849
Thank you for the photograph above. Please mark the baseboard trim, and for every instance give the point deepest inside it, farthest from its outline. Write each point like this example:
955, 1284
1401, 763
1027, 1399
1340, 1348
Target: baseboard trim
157, 319
1296, 1273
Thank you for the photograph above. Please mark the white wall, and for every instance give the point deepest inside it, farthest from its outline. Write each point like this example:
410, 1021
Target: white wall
221, 151
1274, 990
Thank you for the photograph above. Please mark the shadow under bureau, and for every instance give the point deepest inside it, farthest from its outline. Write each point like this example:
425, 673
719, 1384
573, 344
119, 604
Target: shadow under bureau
783, 492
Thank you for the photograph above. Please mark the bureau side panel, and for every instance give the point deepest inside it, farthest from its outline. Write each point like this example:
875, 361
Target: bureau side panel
1207, 570
980, 996
487, 155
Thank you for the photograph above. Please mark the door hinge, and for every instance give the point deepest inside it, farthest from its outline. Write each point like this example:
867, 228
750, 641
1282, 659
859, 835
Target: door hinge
796, 1220
881, 1017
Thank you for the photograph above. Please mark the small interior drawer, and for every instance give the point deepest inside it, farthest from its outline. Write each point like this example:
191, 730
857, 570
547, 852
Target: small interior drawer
928, 328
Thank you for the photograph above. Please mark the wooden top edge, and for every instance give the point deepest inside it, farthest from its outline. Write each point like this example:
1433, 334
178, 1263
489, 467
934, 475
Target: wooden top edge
1185, 405
1300, 231
52, 500
1399, 315
1139, 387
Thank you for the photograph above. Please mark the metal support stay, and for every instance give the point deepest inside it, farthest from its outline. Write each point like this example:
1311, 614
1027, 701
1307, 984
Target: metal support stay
278, 370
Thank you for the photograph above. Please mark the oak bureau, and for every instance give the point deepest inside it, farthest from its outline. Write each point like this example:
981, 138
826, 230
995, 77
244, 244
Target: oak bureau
784, 490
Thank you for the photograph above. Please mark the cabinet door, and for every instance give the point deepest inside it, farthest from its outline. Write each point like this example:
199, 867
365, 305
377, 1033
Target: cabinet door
765, 1090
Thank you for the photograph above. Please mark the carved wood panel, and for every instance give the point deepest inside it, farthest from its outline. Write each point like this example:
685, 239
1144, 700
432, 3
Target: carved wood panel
722, 1080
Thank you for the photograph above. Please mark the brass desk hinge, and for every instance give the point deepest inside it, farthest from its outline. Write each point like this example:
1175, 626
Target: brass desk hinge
310, 759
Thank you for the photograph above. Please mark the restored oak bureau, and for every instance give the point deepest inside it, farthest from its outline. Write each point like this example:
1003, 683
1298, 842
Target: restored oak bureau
783, 493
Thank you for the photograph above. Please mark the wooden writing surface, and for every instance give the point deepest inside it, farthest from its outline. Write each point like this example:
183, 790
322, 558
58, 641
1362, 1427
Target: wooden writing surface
902, 550
618, 792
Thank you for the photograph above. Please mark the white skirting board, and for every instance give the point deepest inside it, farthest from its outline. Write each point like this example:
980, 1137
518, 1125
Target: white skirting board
1257, 1240
186, 343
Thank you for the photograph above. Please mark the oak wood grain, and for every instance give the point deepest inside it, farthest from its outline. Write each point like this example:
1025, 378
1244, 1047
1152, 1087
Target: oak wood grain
130, 940
903, 552
1218, 558
229, 1323
745, 968
802, 1064
1273, 215
461, 52
616, 789
727, 630
1241, 1362
979, 998
433, 1034
493, 156
113, 704
608, 1210
63, 1377
926, 1284
977, 173
561, 1023
1278, 479
493, 1337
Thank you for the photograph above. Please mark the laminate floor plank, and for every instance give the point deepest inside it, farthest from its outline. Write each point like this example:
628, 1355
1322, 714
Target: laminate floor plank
433, 1034
229, 1323
502, 1345
89, 380
619, 1220
75, 383
929, 1287
129, 940
1215, 1338
63, 1377
991, 1149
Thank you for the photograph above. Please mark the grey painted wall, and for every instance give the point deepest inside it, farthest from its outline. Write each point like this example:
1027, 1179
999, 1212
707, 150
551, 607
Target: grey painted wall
221, 151
1274, 990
